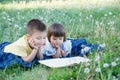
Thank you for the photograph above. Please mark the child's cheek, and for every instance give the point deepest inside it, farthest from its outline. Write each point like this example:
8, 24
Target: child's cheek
52, 43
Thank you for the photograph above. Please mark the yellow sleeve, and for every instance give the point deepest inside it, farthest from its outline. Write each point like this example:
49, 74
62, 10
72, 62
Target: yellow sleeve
17, 50
20, 51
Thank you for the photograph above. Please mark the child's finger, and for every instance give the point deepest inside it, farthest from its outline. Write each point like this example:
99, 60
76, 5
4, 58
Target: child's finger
30, 41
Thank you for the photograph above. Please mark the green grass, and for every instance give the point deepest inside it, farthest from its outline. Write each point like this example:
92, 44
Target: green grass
98, 24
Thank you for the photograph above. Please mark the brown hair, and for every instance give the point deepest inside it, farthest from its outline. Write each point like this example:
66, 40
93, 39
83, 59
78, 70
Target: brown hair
35, 24
57, 30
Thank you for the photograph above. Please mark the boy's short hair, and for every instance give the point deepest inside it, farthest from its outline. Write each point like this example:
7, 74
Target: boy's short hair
35, 24
56, 30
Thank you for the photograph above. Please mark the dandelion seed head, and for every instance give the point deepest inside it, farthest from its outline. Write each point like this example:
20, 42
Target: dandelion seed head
114, 78
91, 16
98, 70
3, 17
97, 58
18, 13
105, 15
110, 13
96, 22
117, 59
105, 65
113, 64
86, 70
16, 26
9, 19
87, 18
87, 64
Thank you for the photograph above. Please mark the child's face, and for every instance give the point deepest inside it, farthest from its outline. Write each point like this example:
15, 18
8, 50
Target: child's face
56, 41
39, 38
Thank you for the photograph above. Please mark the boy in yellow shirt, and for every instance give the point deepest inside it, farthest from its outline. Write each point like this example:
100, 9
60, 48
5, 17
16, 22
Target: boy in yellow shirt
29, 46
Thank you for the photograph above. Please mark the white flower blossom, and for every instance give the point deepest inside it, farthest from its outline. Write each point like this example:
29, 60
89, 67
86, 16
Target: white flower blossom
113, 64
105, 65
86, 70
105, 15
4, 17
114, 78
91, 16
87, 18
16, 26
98, 70
87, 64
96, 22
110, 13
117, 59
97, 58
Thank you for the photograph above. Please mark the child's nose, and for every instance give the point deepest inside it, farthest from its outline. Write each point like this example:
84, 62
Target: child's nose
42, 41
57, 41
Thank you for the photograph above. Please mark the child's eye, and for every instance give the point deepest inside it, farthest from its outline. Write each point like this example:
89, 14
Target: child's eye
44, 37
60, 38
54, 39
38, 38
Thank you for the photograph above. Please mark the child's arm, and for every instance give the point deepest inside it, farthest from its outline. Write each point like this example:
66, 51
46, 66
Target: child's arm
31, 56
39, 54
63, 53
33, 53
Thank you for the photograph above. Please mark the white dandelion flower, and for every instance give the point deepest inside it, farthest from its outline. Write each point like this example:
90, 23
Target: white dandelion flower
86, 70
117, 59
91, 16
20, 28
98, 70
96, 22
87, 64
110, 13
97, 58
16, 26
80, 14
87, 18
4, 17
113, 64
105, 15
105, 65
114, 78
18, 13
9, 19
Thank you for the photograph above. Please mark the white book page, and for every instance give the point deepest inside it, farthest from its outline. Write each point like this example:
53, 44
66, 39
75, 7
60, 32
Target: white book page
63, 62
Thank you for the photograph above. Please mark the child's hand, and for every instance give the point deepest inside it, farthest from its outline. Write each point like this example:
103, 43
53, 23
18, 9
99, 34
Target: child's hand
33, 44
55, 45
41, 46
40, 55
63, 53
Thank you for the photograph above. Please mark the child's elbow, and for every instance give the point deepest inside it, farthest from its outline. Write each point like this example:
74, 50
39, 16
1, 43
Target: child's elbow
27, 60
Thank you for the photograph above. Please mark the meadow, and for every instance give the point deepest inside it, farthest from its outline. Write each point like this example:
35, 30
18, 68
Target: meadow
96, 20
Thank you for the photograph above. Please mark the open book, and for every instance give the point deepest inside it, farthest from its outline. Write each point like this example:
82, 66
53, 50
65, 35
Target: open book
63, 62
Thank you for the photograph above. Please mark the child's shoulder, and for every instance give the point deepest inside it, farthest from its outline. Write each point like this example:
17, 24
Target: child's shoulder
67, 42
